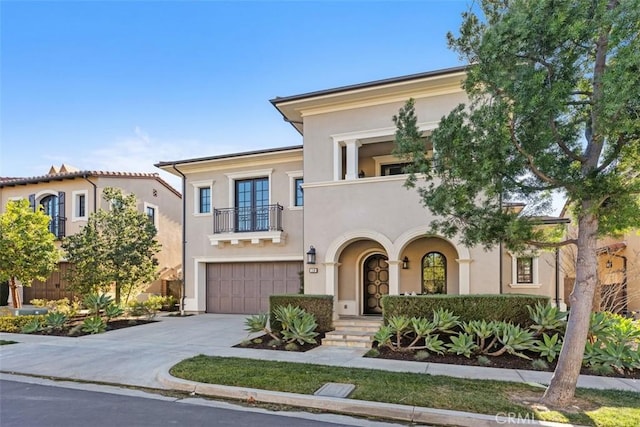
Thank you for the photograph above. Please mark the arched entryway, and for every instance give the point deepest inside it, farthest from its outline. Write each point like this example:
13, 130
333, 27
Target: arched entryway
375, 276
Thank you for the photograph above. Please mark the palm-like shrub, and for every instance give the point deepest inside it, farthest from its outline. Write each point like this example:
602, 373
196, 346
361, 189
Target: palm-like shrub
547, 317
301, 329
462, 344
548, 346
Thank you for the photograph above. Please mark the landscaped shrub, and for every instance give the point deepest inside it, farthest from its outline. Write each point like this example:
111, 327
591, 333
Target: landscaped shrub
505, 307
14, 324
321, 306
297, 325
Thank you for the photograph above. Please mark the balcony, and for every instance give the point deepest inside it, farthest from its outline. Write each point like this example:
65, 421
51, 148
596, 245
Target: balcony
248, 224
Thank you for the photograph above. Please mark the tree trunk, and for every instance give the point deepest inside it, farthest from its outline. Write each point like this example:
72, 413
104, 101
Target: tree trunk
561, 390
14, 293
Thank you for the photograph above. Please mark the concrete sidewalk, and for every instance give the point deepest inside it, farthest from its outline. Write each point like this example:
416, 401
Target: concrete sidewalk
141, 356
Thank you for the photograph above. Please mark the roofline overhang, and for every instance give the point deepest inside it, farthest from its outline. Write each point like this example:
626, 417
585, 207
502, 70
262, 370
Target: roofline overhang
296, 122
165, 165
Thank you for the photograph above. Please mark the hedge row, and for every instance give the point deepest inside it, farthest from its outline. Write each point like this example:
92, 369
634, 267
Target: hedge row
504, 307
321, 306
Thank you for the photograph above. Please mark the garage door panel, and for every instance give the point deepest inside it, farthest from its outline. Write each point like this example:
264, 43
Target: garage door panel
244, 288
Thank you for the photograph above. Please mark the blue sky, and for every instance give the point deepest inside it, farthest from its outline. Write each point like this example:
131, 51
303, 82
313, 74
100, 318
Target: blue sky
121, 85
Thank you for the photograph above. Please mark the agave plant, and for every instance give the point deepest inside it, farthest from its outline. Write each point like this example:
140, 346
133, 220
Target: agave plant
383, 336
97, 302
55, 320
301, 329
286, 315
513, 339
548, 346
445, 320
112, 311
462, 344
258, 323
547, 318
94, 325
421, 328
400, 326
482, 331
434, 344
33, 325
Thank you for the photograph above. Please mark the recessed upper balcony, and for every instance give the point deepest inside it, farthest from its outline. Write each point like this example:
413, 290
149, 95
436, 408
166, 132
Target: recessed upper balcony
253, 224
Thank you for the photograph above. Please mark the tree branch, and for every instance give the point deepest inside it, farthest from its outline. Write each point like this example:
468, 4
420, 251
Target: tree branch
562, 144
551, 245
532, 167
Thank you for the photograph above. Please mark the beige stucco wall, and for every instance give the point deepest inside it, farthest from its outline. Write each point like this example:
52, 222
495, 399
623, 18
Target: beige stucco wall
199, 227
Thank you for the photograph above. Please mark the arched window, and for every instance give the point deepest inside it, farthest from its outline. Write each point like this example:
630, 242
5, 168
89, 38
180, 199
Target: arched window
50, 207
434, 273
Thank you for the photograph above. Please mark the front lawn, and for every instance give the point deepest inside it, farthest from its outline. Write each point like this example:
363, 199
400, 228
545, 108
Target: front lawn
592, 407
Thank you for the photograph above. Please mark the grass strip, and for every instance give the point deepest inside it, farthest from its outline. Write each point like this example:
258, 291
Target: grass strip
593, 407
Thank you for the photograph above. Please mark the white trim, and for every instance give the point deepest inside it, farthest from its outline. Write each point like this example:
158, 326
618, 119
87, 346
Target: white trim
74, 205
377, 133
293, 175
369, 180
235, 176
534, 272
156, 213
197, 185
43, 193
255, 238
15, 198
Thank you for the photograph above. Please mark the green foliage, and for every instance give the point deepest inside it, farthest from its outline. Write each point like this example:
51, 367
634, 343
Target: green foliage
462, 344
97, 302
256, 323
321, 306
301, 329
434, 344
400, 327
514, 339
547, 318
444, 320
383, 336
112, 311
296, 325
505, 307
55, 320
27, 247
613, 341
94, 325
14, 324
548, 346
117, 246
482, 330
64, 306
291, 346
483, 360
33, 325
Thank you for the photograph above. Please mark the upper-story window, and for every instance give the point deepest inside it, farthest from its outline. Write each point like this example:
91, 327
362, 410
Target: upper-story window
79, 206
54, 206
252, 204
204, 200
299, 195
392, 169
152, 213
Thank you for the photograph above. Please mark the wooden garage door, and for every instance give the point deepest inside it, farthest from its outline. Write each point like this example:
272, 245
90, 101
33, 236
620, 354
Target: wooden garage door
244, 288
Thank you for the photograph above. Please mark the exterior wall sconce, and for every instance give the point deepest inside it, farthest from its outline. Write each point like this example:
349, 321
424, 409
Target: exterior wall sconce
311, 255
405, 263
609, 264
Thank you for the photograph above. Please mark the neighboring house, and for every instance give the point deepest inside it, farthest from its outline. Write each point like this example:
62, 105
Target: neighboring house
337, 204
618, 274
69, 196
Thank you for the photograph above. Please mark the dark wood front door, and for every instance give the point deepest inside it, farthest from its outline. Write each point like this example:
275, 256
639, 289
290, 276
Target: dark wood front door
375, 283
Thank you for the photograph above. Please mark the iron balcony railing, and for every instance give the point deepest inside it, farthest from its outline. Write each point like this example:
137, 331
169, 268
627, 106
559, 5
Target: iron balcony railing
239, 220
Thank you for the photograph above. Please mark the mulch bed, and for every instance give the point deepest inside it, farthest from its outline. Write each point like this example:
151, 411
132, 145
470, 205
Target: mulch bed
504, 361
262, 343
73, 331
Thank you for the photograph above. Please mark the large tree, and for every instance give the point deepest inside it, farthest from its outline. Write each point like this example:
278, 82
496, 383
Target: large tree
554, 107
116, 247
27, 248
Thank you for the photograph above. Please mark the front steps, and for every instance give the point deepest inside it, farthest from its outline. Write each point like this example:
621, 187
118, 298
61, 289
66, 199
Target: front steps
353, 332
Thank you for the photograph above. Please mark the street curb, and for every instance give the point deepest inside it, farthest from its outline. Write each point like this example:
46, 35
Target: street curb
414, 414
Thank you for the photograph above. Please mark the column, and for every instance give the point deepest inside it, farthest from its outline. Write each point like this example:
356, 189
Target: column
394, 277
331, 277
352, 159
464, 276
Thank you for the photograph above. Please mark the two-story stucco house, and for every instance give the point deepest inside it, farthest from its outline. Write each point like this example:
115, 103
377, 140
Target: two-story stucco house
69, 196
335, 210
